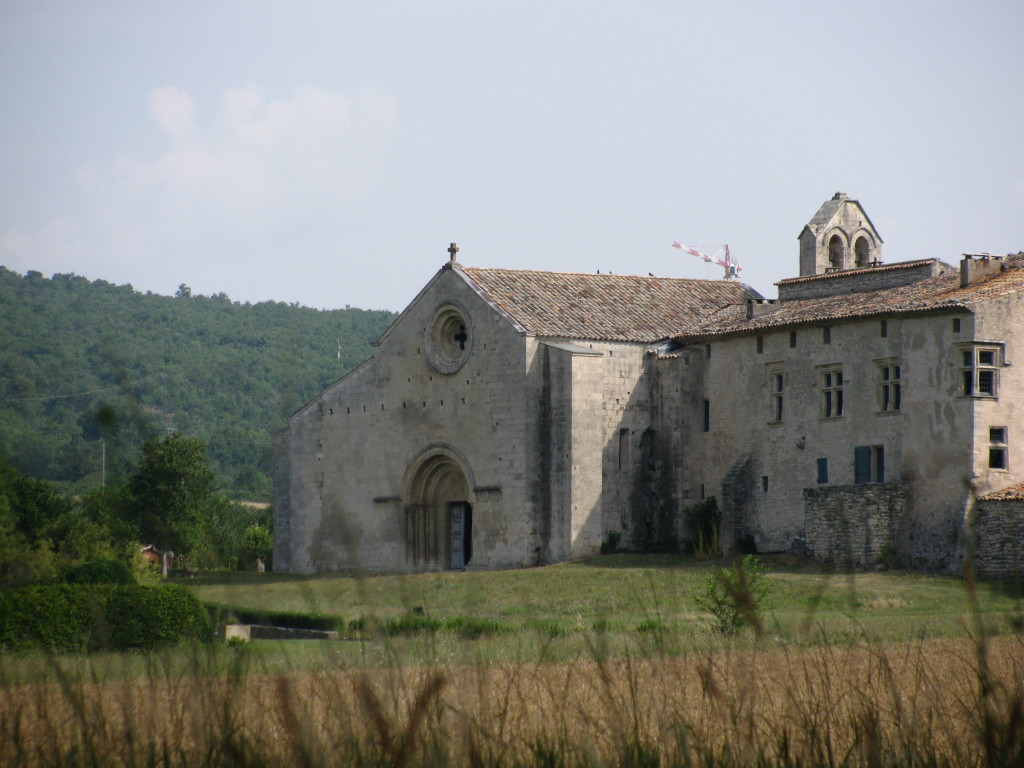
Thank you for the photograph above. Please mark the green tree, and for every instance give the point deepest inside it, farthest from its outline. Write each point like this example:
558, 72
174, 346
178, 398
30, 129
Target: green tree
259, 543
22, 561
170, 494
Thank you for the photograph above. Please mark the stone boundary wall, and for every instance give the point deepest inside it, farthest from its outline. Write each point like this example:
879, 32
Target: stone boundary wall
999, 537
852, 524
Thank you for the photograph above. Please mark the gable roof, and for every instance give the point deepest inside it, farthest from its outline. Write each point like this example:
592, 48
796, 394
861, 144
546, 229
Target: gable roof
936, 294
602, 307
829, 208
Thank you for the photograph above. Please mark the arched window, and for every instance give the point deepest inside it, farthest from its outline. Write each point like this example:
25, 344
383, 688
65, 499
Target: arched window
836, 253
862, 251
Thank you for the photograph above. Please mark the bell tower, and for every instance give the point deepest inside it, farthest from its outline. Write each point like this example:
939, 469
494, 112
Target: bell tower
839, 237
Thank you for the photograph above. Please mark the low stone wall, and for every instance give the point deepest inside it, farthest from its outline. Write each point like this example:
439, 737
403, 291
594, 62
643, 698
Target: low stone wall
852, 524
247, 632
999, 537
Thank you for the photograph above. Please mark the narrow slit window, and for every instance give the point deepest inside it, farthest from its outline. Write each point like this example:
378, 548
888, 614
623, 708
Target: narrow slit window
998, 451
778, 382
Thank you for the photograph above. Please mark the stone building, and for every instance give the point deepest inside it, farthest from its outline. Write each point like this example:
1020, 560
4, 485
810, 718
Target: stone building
512, 418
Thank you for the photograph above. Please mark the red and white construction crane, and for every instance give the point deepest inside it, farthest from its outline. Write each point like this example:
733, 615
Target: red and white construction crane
722, 257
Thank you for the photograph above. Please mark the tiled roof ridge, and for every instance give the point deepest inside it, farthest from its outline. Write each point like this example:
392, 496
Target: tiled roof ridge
592, 274
857, 272
599, 307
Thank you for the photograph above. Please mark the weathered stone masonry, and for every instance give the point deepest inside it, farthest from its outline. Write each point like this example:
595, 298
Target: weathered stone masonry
515, 418
852, 524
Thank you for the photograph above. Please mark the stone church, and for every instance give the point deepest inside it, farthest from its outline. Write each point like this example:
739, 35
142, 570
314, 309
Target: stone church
515, 418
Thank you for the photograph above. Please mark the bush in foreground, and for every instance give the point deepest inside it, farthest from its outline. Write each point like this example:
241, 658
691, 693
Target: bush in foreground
75, 618
734, 596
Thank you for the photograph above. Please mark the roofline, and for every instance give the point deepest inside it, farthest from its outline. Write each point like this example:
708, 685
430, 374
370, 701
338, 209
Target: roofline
819, 321
479, 291
867, 218
860, 271
401, 315
320, 394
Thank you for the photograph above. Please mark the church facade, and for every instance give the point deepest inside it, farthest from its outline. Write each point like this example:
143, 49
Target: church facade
515, 418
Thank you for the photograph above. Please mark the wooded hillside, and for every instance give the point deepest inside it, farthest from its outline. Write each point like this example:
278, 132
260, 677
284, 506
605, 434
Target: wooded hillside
88, 369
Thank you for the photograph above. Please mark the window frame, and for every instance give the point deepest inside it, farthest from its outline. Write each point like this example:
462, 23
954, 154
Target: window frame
869, 464
831, 384
822, 467
980, 379
999, 443
777, 393
890, 385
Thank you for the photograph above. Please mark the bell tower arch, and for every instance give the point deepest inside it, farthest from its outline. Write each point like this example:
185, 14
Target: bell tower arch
840, 236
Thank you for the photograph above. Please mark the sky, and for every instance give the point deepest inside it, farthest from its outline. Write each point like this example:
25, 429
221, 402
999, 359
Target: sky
327, 153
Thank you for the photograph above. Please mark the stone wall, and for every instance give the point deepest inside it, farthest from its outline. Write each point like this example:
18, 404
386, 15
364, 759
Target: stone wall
999, 538
856, 280
852, 524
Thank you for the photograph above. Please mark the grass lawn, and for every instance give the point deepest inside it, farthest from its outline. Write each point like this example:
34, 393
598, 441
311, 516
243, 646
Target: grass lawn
600, 662
625, 595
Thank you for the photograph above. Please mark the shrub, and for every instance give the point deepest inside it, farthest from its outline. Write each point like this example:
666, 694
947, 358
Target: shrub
150, 617
412, 624
611, 542
550, 628
704, 520
81, 617
734, 595
651, 626
470, 628
60, 617
104, 571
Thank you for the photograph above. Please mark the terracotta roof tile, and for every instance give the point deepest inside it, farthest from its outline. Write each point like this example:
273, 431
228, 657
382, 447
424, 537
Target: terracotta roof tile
1013, 493
936, 294
604, 307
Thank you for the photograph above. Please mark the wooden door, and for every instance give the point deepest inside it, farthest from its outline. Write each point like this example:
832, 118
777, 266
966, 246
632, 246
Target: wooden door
457, 519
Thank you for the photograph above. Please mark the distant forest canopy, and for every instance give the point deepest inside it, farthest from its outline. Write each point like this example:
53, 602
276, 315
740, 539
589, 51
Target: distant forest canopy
88, 370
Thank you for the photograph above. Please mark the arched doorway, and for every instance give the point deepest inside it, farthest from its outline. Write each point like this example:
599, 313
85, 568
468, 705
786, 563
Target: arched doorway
439, 513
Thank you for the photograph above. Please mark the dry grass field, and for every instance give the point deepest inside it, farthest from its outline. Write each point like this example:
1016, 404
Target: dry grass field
604, 695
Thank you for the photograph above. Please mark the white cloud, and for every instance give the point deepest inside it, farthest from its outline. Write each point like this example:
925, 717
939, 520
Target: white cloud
174, 111
248, 172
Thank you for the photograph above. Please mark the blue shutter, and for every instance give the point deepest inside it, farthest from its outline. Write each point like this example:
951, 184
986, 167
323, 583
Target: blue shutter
862, 464
822, 471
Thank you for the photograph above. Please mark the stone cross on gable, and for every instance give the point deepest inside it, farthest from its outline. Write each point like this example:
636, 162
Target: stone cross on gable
453, 249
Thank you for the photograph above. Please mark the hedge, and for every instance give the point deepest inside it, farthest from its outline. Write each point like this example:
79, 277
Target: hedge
79, 617
228, 614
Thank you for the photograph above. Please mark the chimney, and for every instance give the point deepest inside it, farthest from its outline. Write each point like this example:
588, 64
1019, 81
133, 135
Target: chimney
758, 307
975, 266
